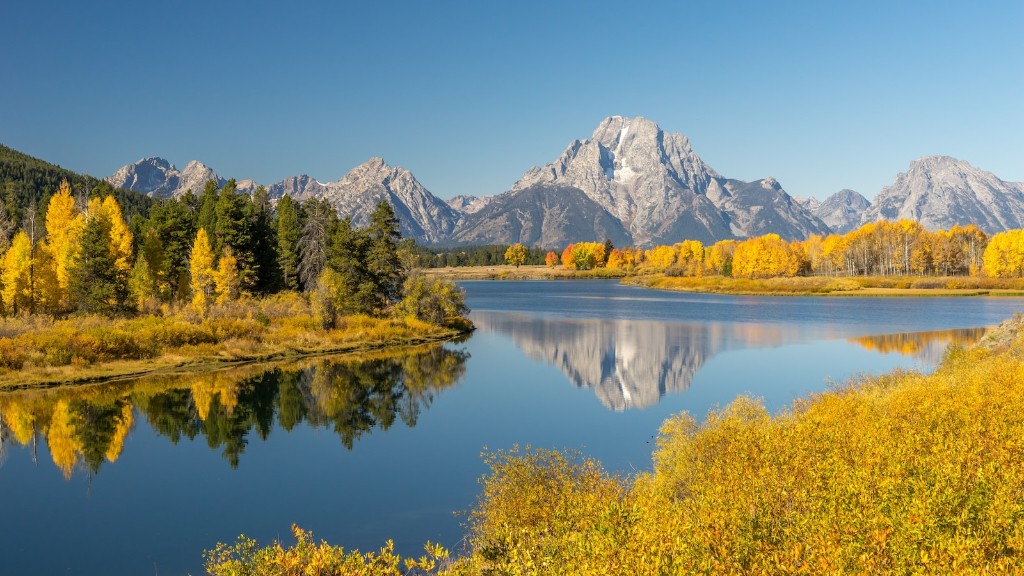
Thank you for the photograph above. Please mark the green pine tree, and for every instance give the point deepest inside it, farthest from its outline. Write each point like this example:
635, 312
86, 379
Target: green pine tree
289, 230
97, 285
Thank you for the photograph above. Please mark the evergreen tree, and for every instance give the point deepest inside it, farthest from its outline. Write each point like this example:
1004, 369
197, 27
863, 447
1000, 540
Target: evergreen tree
143, 284
152, 249
234, 229
382, 262
98, 285
351, 285
320, 222
206, 217
264, 243
289, 230
174, 223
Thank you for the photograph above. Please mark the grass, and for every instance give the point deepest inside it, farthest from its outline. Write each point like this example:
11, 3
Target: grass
533, 272
39, 351
836, 286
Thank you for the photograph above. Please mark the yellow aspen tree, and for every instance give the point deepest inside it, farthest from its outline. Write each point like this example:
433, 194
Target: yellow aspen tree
719, 257
121, 239
48, 295
16, 279
226, 277
20, 420
124, 425
62, 439
201, 270
551, 259
64, 228
660, 256
690, 257
615, 260
516, 255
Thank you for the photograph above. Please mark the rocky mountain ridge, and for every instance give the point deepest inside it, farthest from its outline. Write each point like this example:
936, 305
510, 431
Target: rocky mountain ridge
630, 182
941, 192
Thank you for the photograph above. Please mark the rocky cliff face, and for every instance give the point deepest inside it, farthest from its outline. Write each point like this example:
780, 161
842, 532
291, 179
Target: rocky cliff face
662, 192
423, 216
159, 178
842, 211
941, 192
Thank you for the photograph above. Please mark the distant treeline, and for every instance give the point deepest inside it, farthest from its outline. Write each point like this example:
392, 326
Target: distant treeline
490, 255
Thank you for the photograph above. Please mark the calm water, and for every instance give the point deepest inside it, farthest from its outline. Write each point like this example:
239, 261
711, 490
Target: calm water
139, 478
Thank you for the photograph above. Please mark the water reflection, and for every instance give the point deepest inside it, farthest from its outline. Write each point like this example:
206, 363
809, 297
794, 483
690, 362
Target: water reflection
87, 426
925, 346
634, 363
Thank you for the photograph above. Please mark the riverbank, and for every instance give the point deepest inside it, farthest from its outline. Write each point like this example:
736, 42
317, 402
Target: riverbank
42, 352
915, 286
533, 272
910, 286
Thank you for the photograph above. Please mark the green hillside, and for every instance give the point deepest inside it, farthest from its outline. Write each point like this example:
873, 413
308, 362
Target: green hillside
24, 180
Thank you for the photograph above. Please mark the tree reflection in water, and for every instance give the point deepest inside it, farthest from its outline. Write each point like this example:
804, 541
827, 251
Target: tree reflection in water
85, 426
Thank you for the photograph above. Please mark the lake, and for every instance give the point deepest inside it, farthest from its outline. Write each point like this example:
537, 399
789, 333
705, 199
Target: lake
140, 477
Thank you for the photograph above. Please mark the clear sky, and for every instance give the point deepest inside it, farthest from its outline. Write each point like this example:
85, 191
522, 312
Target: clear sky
469, 95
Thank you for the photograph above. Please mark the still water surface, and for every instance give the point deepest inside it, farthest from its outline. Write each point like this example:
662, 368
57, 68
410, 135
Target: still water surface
139, 478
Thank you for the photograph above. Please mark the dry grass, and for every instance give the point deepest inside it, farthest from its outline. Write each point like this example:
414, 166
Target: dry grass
534, 272
836, 286
35, 351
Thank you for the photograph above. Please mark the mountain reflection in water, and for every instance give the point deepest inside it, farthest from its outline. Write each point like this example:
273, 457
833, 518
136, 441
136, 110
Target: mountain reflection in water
85, 426
634, 363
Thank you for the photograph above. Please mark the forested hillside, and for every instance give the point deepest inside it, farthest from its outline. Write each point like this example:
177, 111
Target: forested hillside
26, 181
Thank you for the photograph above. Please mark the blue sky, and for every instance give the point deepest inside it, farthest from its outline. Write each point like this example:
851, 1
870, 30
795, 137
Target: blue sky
469, 95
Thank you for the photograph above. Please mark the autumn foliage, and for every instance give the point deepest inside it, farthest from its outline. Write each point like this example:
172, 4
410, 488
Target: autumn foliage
887, 249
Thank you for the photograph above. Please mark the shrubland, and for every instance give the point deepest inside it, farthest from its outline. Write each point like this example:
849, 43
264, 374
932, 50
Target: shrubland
896, 474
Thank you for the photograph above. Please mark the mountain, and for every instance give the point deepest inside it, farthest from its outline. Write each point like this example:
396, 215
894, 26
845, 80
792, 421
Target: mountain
941, 192
762, 207
468, 204
423, 216
842, 211
158, 178
540, 215
662, 192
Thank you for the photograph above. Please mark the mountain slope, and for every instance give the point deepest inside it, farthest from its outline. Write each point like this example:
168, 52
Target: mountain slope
25, 180
941, 192
541, 215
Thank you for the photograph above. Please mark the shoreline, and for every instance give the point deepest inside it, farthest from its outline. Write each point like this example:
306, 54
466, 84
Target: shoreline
180, 362
839, 286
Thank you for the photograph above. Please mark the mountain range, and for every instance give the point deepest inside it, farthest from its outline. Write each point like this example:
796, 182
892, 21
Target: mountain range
632, 183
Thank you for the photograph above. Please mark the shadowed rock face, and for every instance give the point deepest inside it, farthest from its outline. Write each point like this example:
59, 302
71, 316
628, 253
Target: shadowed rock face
941, 192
